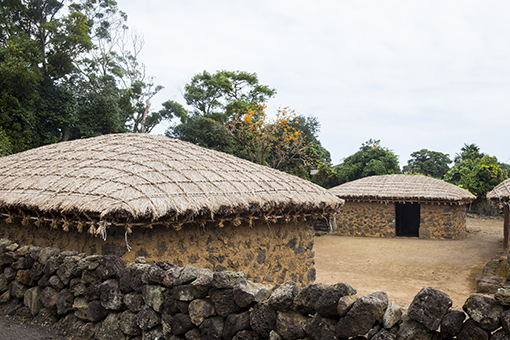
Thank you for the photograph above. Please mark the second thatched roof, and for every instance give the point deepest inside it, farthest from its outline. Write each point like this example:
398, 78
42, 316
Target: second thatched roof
402, 188
500, 193
142, 176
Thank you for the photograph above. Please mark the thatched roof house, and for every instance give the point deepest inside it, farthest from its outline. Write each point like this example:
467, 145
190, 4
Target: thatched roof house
501, 195
176, 201
402, 205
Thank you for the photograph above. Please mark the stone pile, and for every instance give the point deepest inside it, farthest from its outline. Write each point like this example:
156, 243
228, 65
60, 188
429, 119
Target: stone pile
103, 298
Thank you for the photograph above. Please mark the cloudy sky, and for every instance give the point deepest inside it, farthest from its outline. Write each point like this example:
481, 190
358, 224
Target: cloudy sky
415, 74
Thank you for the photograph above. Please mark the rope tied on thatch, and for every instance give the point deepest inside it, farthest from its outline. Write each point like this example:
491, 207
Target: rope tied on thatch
147, 177
500, 193
402, 189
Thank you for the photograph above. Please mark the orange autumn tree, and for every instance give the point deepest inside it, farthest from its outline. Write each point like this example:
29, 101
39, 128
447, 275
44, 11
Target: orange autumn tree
274, 142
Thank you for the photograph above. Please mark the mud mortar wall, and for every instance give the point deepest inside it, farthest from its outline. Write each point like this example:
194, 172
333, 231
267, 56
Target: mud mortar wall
265, 252
104, 298
366, 219
440, 221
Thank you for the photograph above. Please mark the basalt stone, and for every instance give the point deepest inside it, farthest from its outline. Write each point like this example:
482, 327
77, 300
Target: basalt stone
392, 315
56, 283
77, 287
49, 297
110, 328
282, 298
204, 280
44, 281
139, 275
134, 302
227, 279
4, 284
451, 324
36, 271
154, 334
17, 290
85, 263
32, 301
93, 291
64, 302
273, 335
247, 293
236, 323
4, 243
110, 295
183, 306
500, 335
166, 320
6, 259
201, 309
503, 296
64, 325
305, 300
363, 315
125, 280
186, 275
187, 293
51, 266
170, 304
505, 320
471, 331
155, 275
181, 323
89, 276
171, 276
81, 308
413, 330
291, 325
96, 311
484, 310
193, 334
83, 330
212, 328
23, 277
386, 334
128, 323
147, 319
327, 304
429, 306
246, 335
46, 317
320, 328
109, 266
65, 270
10, 274
224, 302
263, 319
153, 297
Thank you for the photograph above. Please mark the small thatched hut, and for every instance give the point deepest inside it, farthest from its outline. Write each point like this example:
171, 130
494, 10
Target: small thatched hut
402, 205
164, 199
501, 195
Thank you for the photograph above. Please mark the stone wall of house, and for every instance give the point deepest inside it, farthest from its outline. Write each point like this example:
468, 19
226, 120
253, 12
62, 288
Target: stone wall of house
265, 252
366, 219
374, 219
104, 298
442, 221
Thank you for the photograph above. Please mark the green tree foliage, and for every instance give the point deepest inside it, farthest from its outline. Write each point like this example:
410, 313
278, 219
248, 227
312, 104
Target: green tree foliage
475, 171
371, 159
213, 99
428, 163
70, 69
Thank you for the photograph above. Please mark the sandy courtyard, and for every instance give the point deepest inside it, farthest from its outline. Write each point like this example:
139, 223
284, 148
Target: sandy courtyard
403, 266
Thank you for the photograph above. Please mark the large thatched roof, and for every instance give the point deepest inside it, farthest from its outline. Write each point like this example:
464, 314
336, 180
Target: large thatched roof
142, 176
501, 193
402, 188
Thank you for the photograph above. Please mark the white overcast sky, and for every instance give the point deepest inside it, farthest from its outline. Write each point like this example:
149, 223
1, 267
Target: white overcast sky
415, 74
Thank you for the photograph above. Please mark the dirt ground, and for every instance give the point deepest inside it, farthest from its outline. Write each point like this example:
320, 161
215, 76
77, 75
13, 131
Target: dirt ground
403, 266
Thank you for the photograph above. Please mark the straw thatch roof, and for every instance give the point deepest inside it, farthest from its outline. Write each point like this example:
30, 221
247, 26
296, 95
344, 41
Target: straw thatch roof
402, 188
501, 193
142, 176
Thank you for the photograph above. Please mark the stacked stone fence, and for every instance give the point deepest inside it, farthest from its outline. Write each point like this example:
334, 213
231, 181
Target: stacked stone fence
103, 298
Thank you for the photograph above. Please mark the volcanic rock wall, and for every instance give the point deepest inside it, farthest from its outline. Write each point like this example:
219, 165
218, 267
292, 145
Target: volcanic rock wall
266, 252
103, 298
376, 219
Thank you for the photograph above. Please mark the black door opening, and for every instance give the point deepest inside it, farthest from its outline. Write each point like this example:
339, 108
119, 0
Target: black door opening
407, 219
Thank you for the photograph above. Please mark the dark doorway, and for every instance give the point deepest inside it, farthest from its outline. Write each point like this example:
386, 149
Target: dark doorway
407, 219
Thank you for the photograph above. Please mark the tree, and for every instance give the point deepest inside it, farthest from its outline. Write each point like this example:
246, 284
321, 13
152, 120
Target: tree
475, 171
371, 159
213, 99
428, 163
